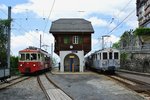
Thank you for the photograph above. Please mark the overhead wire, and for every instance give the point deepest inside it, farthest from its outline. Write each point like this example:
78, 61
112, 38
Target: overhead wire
112, 20
123, 10
122, 21
110, 32
3, 12
49, 16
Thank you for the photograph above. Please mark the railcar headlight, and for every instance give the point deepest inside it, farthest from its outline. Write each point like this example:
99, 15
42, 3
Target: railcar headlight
34, 65
117, 62
20, 64
104, 62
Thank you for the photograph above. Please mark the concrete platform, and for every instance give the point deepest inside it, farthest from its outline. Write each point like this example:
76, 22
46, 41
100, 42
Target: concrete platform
56, 71
90, 86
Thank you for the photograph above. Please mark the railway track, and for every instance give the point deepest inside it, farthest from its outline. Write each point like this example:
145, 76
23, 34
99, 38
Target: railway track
140, 87
51, 90
13, 82
136, 85
134, 73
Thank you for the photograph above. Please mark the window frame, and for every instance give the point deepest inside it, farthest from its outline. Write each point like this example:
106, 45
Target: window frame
116, 56
106, 57
75, 40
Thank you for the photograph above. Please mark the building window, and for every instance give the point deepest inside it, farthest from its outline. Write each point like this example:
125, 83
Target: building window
75, 39
66, 40
81, 40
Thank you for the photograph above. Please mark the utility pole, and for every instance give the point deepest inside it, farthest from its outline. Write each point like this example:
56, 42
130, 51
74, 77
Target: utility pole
9, 35
45, 47
40, 41
52, 49
103, 40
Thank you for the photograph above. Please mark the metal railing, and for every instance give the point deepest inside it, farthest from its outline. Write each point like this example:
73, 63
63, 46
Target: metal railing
142, 48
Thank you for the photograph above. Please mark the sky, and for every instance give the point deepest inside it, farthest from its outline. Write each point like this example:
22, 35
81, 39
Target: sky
32, 18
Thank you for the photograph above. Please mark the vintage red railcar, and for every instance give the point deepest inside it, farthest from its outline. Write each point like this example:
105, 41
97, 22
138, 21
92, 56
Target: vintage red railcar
33, 60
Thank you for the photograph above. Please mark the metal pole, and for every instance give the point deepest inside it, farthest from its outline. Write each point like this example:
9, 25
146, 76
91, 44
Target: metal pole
40, 41
103, 40
52, 50
9, 35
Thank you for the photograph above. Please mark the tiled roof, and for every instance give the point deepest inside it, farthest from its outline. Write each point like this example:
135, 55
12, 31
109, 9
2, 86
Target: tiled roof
71, 25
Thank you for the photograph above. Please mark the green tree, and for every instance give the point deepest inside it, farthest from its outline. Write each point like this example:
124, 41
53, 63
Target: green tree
142, 31
3, 42
116, 45
14, 65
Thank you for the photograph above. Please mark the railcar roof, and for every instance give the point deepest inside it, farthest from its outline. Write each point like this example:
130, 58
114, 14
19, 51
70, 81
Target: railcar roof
34, 49
103, 50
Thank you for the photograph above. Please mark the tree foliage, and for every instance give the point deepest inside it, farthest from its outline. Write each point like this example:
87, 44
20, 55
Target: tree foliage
5, 22
116, 45
3, 42
14, 65
142, 31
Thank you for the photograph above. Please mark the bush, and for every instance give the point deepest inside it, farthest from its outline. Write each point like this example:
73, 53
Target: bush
142, 31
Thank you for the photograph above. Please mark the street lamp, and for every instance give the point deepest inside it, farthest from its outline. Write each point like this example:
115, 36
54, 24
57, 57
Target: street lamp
103, 40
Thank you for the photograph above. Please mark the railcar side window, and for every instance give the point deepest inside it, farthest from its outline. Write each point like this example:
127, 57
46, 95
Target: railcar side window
95, 56
22, 56
110, 55
42, 56
105, 55
38, 56
116, 55
33, 56
27, 56
99, 55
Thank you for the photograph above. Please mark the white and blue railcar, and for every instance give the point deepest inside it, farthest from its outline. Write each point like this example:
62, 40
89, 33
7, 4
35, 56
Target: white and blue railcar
104, 60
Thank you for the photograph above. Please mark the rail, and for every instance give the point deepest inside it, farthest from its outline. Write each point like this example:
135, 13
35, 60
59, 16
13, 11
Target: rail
13, 82
51, 90
138, 86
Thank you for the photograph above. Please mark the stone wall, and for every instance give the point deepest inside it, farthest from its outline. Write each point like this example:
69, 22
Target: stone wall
139, 62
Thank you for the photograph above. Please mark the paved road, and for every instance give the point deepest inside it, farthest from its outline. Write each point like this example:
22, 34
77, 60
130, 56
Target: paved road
93, 87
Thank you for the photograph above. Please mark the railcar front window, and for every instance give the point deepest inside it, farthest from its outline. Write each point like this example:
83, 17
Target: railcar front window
33, 56
22, 57
27, 56
116, 55
110, 55
105, 55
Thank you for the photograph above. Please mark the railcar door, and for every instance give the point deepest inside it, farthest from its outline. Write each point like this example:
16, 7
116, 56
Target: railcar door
104, 60
110, 59
117, 59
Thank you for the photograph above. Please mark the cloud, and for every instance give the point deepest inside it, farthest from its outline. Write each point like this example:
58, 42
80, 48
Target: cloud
108, 41
3, 10
100, 22
97, 22
3, 7
112, 39
81, 9
31, 38
88, 9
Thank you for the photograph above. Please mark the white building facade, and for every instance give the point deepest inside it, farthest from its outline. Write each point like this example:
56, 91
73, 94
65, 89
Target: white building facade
74, 60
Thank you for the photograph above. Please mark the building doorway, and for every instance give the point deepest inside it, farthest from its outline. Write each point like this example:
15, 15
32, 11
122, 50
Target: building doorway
71, 63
